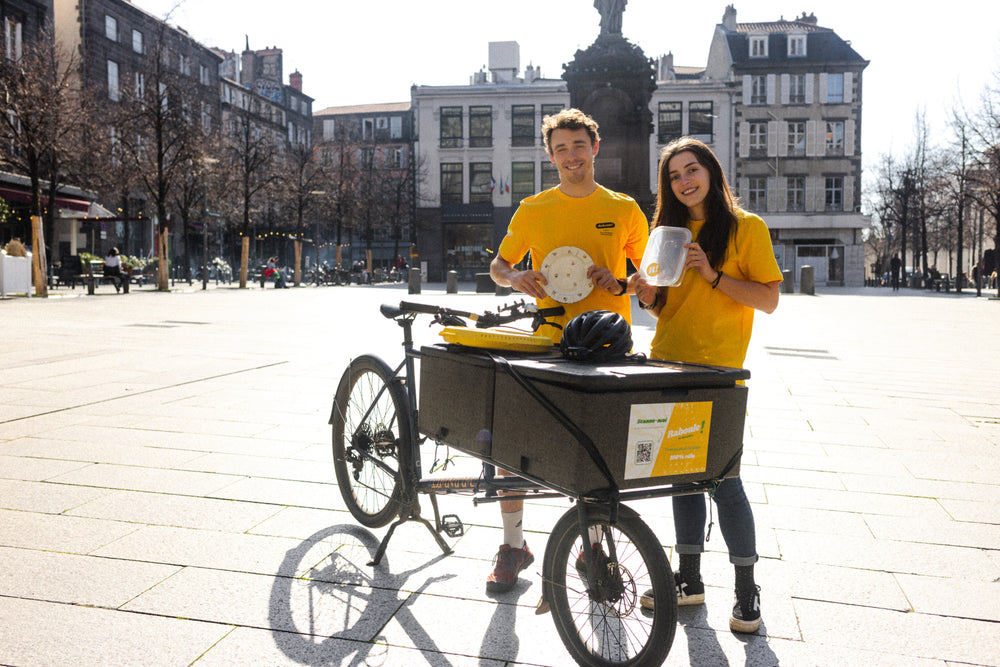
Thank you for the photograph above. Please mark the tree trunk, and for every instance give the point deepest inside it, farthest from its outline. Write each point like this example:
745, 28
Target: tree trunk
39, 263
244, 259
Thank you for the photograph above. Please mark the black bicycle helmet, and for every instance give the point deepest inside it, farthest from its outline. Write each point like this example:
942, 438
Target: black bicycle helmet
597, 335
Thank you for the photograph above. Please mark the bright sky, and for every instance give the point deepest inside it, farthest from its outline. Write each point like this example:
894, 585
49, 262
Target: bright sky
373, 51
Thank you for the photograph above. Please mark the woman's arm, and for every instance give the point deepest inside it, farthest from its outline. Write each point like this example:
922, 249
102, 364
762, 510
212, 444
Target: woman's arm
760, 296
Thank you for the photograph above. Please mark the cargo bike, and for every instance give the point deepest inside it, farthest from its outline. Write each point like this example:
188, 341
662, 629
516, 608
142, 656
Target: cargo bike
599, 434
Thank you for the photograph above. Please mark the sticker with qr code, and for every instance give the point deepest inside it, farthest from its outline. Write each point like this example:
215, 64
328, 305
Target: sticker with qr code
644, 452
667, 439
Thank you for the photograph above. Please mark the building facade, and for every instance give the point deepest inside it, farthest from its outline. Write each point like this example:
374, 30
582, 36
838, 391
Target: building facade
797, 125
368, 207
784, 121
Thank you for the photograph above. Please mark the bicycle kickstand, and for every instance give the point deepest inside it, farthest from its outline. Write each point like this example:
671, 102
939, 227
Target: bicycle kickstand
413, 516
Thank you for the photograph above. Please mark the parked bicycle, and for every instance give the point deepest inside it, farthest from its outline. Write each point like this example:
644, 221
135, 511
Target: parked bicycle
600, 557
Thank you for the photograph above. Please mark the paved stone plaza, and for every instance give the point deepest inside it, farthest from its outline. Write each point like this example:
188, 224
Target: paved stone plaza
167, 495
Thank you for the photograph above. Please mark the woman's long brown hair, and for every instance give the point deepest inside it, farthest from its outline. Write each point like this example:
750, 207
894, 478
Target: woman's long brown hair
720, 218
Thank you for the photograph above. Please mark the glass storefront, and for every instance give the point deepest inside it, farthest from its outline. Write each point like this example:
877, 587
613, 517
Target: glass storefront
468, 249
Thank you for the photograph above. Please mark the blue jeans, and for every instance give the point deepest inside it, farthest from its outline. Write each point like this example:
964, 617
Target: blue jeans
735, 522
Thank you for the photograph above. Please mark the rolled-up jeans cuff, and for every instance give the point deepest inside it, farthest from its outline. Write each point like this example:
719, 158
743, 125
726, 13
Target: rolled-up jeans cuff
688, 549
741, 560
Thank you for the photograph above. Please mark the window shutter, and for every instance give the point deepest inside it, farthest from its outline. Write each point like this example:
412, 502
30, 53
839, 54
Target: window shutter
785, 93
771, 80
848, 88
849, 137
810, 80
746, 88
823, 87
848, 193
812, 132
744, 139
773, 145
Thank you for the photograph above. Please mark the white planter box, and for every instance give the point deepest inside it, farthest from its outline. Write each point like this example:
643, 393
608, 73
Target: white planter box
15, 275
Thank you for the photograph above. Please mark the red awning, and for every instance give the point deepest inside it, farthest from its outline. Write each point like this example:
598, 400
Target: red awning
19, 195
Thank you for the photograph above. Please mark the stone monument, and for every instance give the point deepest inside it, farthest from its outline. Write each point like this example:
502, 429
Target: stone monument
613, 81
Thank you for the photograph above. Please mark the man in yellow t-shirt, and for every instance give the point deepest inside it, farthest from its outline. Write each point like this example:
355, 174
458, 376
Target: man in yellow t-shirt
608, 226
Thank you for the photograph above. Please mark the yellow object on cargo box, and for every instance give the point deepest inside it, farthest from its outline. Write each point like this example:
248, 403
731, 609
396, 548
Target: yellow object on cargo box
493, 339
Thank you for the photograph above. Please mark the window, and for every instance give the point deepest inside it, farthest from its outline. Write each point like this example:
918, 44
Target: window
367, 157
550, 175
669, 122
184, 64
700, 119
796, 138
203, 76
451, 183
796, 193
480, 127
834, 137
114, 92
797, 89
451, 128
758, 89
367, 128
758, 139
395, 157
834, 193
796, 46
522, 131
551, 109
140, 85
137, 41
522, 180
206, 117
481, 182
835, 88
329, 126
13, 46
757, 193
111, 28
395, 126
758, 46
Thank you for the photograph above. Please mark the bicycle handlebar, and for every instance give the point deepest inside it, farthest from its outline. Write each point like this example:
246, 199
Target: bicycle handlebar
449, 316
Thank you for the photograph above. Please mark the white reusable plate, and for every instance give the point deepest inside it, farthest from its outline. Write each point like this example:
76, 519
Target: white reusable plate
663, 261
565, 269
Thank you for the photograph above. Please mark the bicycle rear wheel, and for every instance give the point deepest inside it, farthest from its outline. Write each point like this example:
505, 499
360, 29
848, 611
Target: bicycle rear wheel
608, 626
371, 440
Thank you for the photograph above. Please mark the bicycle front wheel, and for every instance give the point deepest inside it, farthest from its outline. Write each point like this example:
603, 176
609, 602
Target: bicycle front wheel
607, 625
371, 440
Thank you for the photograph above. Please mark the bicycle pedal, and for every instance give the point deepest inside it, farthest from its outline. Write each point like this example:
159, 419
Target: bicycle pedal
452, 525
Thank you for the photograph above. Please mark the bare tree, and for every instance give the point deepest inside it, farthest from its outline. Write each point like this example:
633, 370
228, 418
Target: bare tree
40, 126
160, 138
302, 177
249, 153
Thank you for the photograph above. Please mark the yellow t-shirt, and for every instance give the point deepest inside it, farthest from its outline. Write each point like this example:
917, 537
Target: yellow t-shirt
701, 325
607, 225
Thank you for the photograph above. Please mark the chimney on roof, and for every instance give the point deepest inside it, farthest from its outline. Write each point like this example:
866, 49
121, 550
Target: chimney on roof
811, 19
729, 18
295, 80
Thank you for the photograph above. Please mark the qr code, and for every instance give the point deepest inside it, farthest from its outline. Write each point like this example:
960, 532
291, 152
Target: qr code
643, 452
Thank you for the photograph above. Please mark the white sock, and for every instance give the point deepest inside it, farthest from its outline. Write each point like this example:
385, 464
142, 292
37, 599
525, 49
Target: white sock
512, 533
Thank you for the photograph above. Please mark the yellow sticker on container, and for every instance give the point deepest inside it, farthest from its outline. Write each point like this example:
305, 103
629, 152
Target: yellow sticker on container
668, 439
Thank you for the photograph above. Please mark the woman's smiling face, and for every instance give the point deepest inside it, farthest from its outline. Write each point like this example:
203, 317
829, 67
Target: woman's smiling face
690, 182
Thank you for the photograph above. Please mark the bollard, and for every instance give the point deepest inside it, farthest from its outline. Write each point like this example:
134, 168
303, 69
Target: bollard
484, 283
414, 278
788, 282
451, 283
503, 291
807, 280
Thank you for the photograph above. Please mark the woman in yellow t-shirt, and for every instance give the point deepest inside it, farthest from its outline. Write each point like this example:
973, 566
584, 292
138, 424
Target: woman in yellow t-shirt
730, 271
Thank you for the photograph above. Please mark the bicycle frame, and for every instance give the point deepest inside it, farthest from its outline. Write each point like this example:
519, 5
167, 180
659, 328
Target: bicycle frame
413, 482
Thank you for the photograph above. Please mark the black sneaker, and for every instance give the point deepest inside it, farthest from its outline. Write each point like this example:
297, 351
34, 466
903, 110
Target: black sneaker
687, 593
746, 612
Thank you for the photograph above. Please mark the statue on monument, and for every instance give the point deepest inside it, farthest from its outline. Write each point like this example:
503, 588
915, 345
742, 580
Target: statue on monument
611, 15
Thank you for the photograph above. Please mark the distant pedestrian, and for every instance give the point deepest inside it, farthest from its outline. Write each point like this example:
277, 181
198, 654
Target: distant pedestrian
895, 264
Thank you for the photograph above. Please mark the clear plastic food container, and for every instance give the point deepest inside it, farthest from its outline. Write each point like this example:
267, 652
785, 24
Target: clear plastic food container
663, 261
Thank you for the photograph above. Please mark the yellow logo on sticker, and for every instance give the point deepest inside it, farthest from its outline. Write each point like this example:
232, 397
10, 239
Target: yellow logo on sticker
652, 269
684, 448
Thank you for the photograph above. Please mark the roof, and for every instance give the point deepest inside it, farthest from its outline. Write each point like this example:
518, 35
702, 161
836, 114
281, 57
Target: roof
822, 44
363, 108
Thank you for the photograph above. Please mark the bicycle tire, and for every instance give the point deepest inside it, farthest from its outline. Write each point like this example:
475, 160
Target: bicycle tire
610, 627
370, 421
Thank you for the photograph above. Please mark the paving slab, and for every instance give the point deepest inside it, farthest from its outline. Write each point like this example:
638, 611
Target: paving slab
170, 499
